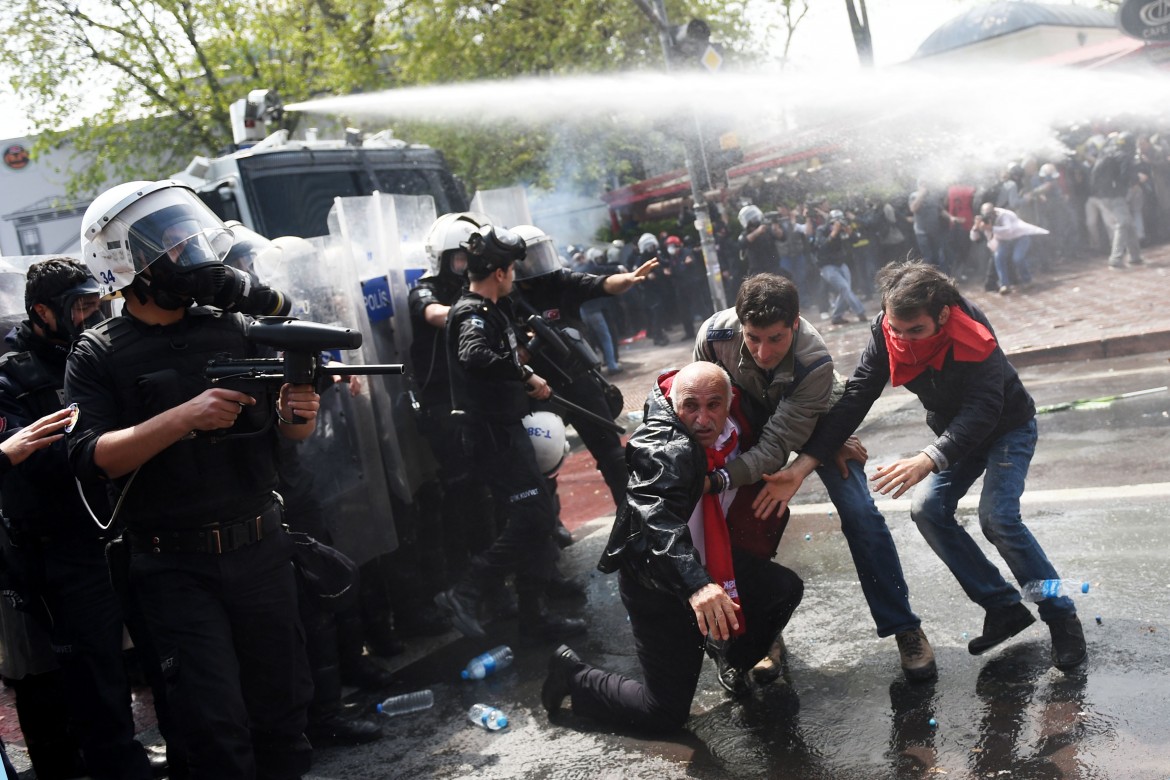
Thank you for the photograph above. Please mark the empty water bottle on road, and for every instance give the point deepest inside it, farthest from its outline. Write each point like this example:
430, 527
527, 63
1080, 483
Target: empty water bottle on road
488, 717
1038, 590
407, 702
488, 663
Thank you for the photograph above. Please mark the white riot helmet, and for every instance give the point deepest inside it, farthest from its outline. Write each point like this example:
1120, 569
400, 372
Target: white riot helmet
130, 227
595, 255
541, 257
547, 433
647, 243
750, 215
450, 232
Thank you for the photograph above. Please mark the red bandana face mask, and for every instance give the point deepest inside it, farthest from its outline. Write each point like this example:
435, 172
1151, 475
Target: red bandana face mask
971, 340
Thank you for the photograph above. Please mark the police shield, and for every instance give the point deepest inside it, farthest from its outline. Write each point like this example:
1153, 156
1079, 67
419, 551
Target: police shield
367, 228
343, 455
11, 294
506, 207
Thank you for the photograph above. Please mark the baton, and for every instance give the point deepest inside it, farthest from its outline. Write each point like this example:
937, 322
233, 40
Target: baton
568, 406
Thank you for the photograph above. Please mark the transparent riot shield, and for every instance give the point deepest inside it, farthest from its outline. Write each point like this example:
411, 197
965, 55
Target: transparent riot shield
404, 221
343, 454
367, 227
507, 207
11, 295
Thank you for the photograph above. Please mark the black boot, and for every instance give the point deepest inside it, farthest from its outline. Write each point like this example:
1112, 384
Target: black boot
561, 665
342, 727
366, 673
1068, 643
461, 603
538, 623
561, 587
1000, 624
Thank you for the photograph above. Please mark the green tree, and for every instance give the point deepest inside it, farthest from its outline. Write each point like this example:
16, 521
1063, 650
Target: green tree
143, 85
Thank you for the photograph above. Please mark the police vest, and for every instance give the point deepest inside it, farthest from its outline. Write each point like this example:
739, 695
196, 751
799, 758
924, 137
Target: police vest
40, 391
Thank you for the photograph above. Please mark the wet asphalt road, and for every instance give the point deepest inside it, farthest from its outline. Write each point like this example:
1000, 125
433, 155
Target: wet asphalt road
1096, 500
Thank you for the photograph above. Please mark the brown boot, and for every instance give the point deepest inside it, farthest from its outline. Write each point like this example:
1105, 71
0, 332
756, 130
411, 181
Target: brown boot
917, 655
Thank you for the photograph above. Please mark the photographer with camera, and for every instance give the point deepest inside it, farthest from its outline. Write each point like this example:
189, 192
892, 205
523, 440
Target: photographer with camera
209, 561
833, 245
757, 242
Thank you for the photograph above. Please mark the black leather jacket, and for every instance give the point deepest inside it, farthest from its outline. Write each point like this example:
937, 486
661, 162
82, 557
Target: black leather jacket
650, 539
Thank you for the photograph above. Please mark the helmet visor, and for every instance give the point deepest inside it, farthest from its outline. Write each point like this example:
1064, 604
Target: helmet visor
170, 222
541, 259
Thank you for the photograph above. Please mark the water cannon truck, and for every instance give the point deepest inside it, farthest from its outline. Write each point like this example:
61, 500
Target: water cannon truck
279, 186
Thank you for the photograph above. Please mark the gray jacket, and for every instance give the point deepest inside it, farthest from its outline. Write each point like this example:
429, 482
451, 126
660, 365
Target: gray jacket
797, 392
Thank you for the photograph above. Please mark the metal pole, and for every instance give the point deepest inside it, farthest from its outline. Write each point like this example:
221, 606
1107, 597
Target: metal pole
702, 214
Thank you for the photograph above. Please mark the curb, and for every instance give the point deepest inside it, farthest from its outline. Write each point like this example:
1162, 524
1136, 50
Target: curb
1116, 346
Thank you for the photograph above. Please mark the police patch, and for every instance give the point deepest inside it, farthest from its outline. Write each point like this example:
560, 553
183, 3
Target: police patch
720, 334
74, 414
477, 322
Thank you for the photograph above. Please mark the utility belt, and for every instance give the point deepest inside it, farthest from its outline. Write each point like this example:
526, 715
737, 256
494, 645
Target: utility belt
213, 538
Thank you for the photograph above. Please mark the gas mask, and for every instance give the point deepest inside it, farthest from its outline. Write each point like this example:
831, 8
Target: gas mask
188, 273
84, 299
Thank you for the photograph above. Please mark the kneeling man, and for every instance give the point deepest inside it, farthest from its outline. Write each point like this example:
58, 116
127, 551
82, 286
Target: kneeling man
680, 579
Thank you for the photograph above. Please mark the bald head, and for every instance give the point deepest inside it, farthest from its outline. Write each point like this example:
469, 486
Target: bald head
701, 396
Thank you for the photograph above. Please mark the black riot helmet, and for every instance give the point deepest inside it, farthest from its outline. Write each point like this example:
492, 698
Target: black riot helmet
492, 248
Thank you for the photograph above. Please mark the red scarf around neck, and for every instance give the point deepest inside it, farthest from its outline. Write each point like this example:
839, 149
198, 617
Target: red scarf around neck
717, 539
972, 341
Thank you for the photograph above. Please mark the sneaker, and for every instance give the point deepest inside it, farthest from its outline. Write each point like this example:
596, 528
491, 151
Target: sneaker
1068, 643
917, 655
1136, 261
561, 665
837, 321
1005, 290
462, 612
617, 369
1001, 623
863, 317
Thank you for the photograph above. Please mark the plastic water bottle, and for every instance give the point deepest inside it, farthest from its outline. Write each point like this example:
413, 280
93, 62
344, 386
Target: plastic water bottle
488, 663
1038, 590
407, 702
487, 716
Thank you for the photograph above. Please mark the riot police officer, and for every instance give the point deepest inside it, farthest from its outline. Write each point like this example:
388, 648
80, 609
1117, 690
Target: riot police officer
553, 294
493, 391
57, 552
466, 530
210, 563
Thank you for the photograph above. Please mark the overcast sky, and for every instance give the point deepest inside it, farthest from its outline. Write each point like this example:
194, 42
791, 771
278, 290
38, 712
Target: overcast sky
822, 38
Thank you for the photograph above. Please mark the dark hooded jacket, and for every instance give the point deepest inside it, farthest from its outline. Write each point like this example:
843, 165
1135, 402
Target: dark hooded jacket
968, 405
650, 540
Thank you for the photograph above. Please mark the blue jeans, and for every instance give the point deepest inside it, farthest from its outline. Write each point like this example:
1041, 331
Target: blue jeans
1004, 466
1016, 253
840, 281
594, 317
874, 556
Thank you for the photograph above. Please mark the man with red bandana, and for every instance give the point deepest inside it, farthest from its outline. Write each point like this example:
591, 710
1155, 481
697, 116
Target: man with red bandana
942, 348
682, 579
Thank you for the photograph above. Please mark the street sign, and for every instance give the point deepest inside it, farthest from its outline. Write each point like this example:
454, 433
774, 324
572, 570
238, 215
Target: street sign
1147, 20
711, 59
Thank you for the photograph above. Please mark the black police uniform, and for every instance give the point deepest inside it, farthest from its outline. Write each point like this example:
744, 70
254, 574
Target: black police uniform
465, 494
490, 391
58, 562
210, 562
557, 297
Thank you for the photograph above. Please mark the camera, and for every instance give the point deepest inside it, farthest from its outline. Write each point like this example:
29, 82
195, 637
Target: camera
771, 217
